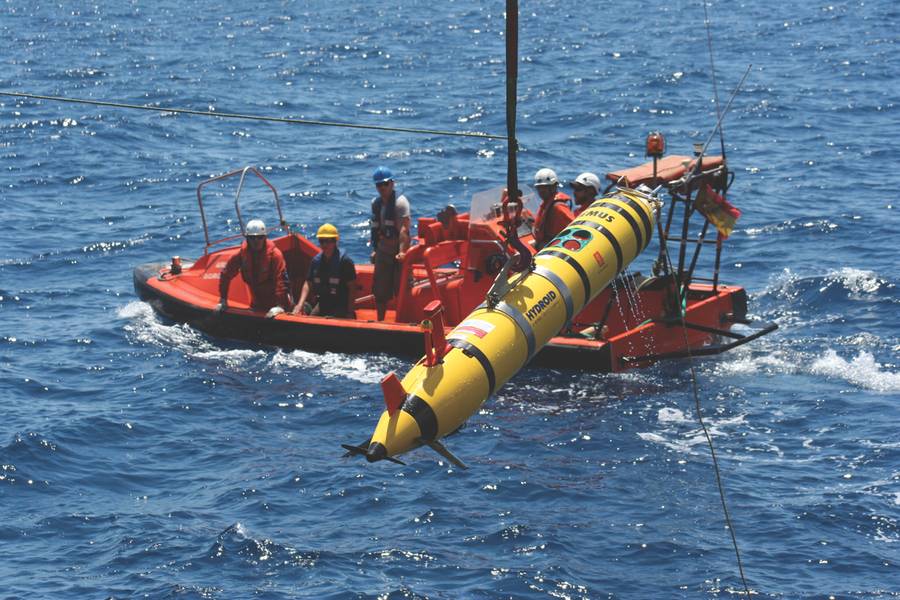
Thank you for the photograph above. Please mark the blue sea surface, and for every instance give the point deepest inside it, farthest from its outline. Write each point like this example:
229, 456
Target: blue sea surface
141, 458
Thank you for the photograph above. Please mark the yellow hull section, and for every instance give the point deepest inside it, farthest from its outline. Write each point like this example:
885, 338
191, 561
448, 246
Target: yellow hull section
493, 343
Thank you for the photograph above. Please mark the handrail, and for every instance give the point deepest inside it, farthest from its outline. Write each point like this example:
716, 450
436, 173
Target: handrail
243, 172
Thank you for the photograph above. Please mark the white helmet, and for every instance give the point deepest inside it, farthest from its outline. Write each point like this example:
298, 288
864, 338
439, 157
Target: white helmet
589, 180
255, 227
545, 177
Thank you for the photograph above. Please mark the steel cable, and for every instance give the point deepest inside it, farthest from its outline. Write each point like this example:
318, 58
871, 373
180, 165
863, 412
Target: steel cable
209, 113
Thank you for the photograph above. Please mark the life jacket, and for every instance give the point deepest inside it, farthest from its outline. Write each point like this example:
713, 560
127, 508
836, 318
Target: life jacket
264, 273
541, 235
326, 276
256, 268
387, 227
582, 208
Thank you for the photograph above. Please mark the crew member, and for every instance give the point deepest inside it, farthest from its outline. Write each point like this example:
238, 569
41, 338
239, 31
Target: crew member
263, 269
585, 188
390, 238
554, 214
454, 229
331, 280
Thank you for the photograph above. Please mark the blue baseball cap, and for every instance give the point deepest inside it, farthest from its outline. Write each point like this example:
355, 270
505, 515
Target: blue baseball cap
382, 174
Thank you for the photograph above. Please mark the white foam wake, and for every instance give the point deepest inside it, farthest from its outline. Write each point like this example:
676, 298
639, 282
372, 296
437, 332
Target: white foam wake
330, 364
145, 327
862, 370
680, 432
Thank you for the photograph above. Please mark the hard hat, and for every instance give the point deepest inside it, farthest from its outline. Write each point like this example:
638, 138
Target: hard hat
545, 177
255, 227
588, 180
382, 174
327, 231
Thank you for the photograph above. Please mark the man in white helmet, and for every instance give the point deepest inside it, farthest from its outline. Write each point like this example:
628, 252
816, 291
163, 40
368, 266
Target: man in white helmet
262, 268
585, 187
554, 214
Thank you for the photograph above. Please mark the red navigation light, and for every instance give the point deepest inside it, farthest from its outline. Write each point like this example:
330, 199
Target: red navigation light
656, 144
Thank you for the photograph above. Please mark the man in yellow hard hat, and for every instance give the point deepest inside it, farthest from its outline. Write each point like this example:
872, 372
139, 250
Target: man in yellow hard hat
331, 280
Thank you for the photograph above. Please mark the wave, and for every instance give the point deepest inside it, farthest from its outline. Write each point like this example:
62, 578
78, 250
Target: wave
145, 327
821, 225
236, 543
94, 248
862, 370
330, 364
858, 283
681, 433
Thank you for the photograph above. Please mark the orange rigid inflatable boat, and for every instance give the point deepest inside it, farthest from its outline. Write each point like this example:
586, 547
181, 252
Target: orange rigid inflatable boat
455, 260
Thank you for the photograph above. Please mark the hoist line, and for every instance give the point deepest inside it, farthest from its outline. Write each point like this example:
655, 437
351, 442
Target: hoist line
208, 113
695, 388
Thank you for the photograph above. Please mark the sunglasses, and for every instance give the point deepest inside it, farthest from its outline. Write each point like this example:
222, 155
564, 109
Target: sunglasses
382, 184
323, 241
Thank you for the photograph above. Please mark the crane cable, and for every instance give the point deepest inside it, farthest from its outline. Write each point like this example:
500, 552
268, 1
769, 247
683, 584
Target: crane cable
682, 307
210, 113
712, 450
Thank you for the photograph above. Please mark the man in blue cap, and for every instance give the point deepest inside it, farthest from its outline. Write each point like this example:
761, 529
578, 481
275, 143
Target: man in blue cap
390, 238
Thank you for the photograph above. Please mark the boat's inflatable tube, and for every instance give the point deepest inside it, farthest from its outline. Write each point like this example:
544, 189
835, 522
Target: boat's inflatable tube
494, 342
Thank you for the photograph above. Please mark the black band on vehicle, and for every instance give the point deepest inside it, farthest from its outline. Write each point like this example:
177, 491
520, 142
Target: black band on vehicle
620, 262
634, 225
473, 351
424, 415
585, 280
641, 210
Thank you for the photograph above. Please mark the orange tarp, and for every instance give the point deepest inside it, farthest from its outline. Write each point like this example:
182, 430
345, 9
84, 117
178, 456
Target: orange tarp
669, 168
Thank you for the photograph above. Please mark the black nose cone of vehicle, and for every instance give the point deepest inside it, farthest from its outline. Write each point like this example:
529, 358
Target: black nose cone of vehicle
376, 452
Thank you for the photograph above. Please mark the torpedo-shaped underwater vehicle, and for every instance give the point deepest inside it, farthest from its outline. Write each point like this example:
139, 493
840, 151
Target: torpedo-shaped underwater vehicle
520, 315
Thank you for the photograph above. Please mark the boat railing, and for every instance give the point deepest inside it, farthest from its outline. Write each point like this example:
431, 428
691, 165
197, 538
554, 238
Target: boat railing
682, 192
237, 204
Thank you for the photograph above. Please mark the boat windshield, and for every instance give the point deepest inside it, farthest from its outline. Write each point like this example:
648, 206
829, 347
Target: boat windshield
486, 208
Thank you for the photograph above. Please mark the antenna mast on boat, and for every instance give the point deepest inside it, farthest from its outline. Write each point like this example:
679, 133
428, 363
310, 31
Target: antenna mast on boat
512, 74
712, 68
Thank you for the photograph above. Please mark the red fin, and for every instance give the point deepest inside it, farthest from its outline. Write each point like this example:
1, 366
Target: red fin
393, 391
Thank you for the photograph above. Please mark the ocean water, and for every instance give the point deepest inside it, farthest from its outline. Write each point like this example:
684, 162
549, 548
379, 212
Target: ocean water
140, 458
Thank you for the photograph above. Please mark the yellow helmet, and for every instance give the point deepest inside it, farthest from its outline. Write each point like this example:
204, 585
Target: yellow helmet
327, 231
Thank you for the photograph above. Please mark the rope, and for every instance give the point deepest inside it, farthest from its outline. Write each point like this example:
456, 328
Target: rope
709, 441
206, 113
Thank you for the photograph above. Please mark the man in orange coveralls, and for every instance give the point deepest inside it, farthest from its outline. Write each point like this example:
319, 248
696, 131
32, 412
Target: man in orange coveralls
262, 267
554, 213
585, 187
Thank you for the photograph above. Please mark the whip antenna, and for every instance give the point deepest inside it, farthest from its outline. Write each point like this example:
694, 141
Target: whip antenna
712, 68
